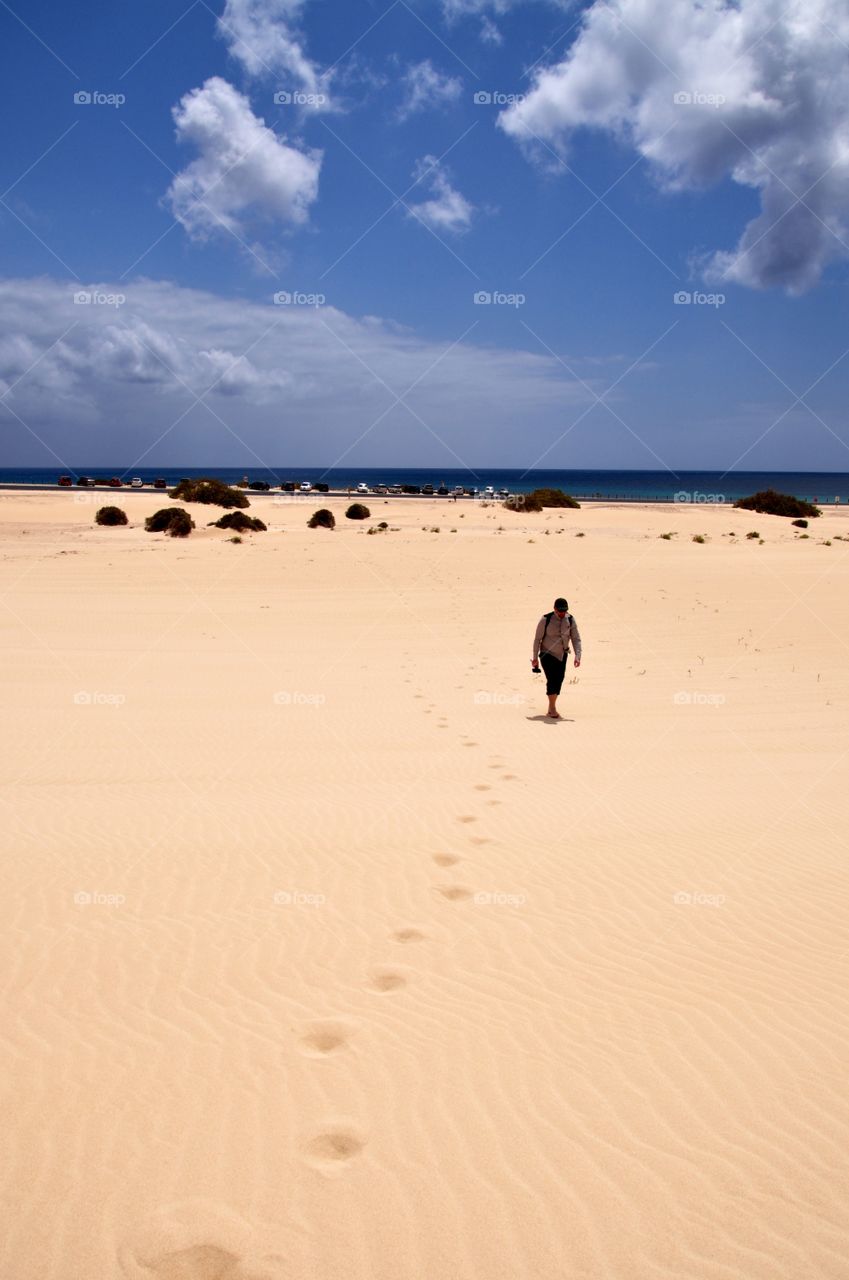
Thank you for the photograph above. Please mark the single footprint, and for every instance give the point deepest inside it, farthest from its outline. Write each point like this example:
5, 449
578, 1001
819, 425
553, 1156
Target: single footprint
332, 1149
509, 777
480, 840
470, 744
466, 817
320, 1039
482, 786
387, 980
454, 892
408, 935
196, 1240
446, 859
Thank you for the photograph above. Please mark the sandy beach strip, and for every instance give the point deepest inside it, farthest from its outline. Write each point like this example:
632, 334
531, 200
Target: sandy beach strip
327, 956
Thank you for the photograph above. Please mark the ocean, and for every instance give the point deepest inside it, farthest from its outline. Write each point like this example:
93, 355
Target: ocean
825, 487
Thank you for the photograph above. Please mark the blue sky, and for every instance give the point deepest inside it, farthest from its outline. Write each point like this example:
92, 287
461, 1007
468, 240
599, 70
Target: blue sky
629, 154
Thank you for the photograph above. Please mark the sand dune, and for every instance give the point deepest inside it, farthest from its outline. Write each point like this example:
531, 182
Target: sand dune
327, 956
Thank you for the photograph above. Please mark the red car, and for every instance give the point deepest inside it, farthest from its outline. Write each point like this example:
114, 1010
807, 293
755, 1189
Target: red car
64, 481
115, 483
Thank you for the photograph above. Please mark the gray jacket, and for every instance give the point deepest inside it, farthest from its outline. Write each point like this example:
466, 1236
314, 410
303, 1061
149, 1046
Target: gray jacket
554, 638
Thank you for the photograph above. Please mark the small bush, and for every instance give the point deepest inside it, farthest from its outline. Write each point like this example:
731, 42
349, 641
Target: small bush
554, 498
241, 523
698, 537
770, 503
804, 535
753, 534
322, 519
209, 490
666, 536
357, 511
110, 516
236, 538
383, 525
577, 535
174, 521
800, 524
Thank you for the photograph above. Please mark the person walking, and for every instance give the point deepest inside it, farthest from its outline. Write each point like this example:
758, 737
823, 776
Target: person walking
551, 648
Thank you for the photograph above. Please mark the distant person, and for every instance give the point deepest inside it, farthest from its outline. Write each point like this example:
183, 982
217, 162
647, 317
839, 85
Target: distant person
551, 648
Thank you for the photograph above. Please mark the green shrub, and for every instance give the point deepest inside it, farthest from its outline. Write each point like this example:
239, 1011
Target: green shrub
357, 511
800, 524
174, 521
239, 522
553, 498
110, 516
209, 490
322, 519
666, 536
770, 503
698, 537
753, 534
237, 537
383, 525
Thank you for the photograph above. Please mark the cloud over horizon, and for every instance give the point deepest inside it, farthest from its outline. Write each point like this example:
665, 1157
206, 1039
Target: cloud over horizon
756, 91
297, 383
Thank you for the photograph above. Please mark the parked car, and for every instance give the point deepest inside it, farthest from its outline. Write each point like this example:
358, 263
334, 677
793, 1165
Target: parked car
160, 483
427, 488
410, 488
86, 481
116, 483
321, 487
442, 491
489, 492
504, 493
362, 487
137, 483
395, 489
305, 486
458, 491
262, 486
288, 486
379, 488
64, 481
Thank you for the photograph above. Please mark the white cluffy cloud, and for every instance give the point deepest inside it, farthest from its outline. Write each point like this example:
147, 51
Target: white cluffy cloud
243, 170
447, 209
260, 34
756, 90
425, 88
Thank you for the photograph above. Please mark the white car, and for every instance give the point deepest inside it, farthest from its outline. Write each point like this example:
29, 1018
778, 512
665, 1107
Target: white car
305, 486
362, 487
137, 483
458, 491
489, 492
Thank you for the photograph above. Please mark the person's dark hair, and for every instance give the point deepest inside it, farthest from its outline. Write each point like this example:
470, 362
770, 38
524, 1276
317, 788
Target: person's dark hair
561, 604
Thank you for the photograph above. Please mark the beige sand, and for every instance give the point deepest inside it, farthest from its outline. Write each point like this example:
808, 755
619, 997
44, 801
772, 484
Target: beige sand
328, 957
